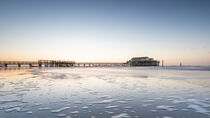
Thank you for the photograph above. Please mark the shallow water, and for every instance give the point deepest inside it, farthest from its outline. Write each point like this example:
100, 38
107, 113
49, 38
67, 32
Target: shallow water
105, 92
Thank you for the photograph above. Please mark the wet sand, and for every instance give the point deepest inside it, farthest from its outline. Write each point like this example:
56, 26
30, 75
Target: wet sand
105, 92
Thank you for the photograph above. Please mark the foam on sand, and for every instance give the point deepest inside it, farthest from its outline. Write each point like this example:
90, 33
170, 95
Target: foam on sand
122, 115
8, 101
85, 107
29, 112
44, 108
102, 102
105, 97
61, 115
199, 109
59, 110
111, 106
167, 117
77, 102
109, 112
197, 102
165, 107
122, 102
74, 112
13, 109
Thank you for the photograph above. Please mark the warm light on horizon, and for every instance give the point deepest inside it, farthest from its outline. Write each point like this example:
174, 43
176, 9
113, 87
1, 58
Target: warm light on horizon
92, 33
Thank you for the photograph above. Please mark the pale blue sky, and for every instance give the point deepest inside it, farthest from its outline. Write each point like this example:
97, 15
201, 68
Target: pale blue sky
106, 30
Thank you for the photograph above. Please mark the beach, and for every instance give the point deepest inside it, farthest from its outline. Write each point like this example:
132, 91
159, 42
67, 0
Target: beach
106, 92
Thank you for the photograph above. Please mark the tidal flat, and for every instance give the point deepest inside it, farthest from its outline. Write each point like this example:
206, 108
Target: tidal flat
105, 92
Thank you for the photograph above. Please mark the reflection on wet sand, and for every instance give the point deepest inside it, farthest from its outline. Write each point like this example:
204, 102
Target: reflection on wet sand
18, 69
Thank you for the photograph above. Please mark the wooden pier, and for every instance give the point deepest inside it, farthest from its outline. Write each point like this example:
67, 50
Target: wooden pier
97, 64
39, 63
57, 63
17, 63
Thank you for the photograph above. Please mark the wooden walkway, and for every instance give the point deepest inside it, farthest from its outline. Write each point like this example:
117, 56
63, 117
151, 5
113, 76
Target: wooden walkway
39, 63
56, 63
18, 63
96, 64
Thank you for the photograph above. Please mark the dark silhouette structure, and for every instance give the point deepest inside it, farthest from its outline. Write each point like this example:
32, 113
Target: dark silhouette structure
143, 61
39, 63
55, 63
136, 61
58, 63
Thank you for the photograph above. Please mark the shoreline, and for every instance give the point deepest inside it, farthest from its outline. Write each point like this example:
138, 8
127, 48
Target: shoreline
196, 68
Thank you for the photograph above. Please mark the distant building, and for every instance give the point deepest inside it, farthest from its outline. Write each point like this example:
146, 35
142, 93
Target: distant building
143, 61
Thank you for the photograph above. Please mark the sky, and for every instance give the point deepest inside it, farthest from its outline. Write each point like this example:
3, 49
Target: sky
106, 30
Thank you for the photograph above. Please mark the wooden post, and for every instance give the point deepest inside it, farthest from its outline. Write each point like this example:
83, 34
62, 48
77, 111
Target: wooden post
40, 65
162, 63
30, 65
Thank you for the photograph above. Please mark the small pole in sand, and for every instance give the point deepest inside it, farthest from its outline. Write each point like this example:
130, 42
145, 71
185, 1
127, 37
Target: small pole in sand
180, 64
162, 63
